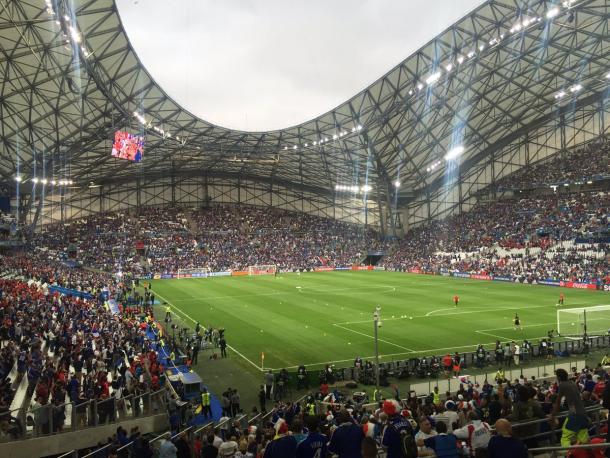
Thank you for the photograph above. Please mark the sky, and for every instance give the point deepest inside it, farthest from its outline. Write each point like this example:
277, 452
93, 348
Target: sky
259, 65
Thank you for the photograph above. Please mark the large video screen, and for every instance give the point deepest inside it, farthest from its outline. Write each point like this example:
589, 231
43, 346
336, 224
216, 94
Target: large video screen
128, 146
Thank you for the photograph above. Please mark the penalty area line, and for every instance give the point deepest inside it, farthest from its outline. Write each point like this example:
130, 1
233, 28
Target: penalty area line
228, 346
373, 337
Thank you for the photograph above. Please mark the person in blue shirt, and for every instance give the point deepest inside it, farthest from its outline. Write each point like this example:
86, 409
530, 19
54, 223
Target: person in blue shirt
314, 445
503, 444
396, 426
284, 445
346, 439
443, 444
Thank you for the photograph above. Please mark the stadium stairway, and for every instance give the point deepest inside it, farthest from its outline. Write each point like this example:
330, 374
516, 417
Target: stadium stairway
191, 224
177, 367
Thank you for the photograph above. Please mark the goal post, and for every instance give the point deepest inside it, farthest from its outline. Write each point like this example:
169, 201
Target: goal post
201, 272
583, 320
265, 269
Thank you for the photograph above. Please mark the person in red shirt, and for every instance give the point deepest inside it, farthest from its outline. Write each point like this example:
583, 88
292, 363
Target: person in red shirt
456, 299
561, 297
447, 364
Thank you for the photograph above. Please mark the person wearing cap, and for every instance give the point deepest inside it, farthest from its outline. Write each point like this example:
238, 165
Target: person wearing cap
395, 427
346, 439
449, 416
477, 434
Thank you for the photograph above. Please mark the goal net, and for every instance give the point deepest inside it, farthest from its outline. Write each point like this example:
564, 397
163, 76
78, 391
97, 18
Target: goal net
193, 273
578, 321
262, 270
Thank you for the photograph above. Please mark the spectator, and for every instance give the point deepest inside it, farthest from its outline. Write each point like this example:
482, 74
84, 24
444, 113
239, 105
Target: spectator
443, 444
346, 440
167, 449
503, 444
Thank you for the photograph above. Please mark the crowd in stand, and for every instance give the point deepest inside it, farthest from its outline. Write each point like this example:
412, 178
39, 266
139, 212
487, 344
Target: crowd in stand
218, 238
511, 238
493, 421
70, 349
585, 164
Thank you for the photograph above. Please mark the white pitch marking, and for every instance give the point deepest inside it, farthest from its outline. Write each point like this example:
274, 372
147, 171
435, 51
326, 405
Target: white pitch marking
279, 293
373, 337
195, 321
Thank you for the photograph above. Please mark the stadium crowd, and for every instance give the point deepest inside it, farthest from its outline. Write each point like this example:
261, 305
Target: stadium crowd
587, 163
514, 238
497, 420
70, 348
218, 238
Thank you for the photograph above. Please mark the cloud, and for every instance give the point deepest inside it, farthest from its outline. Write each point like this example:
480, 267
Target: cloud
269, 64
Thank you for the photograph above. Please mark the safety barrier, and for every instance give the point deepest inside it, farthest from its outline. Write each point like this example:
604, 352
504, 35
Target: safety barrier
52, 419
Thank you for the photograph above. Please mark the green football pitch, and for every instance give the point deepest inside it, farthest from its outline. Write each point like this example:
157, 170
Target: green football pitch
327, 317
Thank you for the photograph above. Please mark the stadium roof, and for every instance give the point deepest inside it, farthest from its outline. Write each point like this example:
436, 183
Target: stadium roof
71, 79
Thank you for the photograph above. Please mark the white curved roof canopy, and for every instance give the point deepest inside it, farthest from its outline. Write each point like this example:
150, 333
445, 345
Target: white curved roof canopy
65, 91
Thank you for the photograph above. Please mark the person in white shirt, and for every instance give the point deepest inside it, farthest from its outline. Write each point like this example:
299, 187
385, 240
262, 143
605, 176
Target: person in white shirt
476, 433
517, 354
449, 416
425, 431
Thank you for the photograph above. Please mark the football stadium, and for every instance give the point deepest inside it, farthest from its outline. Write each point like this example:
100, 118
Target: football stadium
224, 234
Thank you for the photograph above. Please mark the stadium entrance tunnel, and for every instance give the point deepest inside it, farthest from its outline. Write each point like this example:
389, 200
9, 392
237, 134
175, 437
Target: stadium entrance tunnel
372, 258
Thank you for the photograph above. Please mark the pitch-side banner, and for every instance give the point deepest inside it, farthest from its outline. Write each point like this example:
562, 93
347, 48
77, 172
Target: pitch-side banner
219, 274
573, 284
480, 277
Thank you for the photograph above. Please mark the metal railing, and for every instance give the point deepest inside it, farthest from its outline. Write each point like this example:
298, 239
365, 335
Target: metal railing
192, 433
552, 451
72, 416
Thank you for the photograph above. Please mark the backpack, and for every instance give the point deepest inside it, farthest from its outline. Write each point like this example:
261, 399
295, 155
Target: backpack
408, 447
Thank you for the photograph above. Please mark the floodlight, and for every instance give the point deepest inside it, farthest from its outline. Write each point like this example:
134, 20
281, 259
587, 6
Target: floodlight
454, 152
18, 178
397, 184
576, 88
433, 78
34, 180
550, 14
